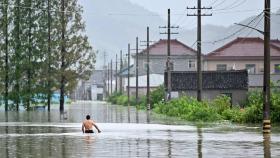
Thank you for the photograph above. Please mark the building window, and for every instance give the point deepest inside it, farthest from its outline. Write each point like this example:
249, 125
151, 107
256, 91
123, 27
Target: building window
221, 67
191, 64
251, 68
277, 68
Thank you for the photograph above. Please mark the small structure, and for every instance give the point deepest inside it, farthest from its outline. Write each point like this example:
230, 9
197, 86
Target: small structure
214, 83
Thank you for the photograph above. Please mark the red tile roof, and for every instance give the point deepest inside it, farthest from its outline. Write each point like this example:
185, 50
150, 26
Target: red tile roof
275, 42
176, 47
251, 48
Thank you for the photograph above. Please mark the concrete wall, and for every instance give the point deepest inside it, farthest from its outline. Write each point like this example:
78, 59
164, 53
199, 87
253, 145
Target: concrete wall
238, 96
239, 64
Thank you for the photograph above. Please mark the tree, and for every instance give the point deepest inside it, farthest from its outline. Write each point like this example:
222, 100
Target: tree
16, 55
76, 58
4, 51
43, 49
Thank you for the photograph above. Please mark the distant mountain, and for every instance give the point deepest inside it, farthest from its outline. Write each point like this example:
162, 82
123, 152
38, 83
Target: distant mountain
110, 28
217, 36
110, 25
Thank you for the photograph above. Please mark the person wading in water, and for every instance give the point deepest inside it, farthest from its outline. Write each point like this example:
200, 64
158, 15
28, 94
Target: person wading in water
87, 125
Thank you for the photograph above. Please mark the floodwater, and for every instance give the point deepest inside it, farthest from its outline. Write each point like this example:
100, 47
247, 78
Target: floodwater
139, 134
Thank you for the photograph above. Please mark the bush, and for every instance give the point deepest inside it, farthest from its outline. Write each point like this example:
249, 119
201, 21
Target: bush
221, 103
114, 97
234, 115
157, 95
254, 107
275, 107
188, 109
122, 100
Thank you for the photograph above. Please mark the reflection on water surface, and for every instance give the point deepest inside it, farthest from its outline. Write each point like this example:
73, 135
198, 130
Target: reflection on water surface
43, 134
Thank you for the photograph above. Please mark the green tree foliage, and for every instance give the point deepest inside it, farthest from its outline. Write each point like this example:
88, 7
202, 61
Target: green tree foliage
34, 64
4, 52
76, 56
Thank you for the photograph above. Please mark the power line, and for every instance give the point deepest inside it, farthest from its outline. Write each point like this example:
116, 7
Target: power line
182, 18
211, 4
233, 5
219, 4
251, 30
233, 34
135, 14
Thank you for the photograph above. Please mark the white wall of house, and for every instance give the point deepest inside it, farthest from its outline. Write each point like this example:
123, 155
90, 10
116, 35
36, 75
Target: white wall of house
155, 81
241, 65
95, 90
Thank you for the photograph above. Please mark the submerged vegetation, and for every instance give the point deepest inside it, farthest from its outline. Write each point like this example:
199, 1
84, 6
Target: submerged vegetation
156, 96
188, 108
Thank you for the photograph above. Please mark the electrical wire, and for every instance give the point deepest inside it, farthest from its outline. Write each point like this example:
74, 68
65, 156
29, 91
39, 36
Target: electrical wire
219, 4
182, 17
233, 5
257, 24
213, 2
233, 34
134, 14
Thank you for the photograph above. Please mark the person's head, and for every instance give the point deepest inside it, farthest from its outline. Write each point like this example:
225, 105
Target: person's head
88, 117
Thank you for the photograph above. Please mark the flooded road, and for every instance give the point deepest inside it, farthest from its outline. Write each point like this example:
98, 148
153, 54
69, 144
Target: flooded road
43, 134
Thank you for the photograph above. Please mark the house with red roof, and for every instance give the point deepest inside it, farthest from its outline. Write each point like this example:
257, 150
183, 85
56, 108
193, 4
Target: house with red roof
182, 56
243, 53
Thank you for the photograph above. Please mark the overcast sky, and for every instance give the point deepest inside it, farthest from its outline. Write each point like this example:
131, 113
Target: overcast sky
225, 12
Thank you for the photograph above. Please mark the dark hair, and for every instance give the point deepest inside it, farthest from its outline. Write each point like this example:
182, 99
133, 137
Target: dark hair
87, 117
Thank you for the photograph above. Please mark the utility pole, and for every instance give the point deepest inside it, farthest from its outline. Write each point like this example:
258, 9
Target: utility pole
116, 73
266, 77
128, 75
108, 83
111, 88
168, 60
128, 82
148, 70
199, 72
104, 74
121, 78
147, 44
49, 57
137, 67
104, 59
